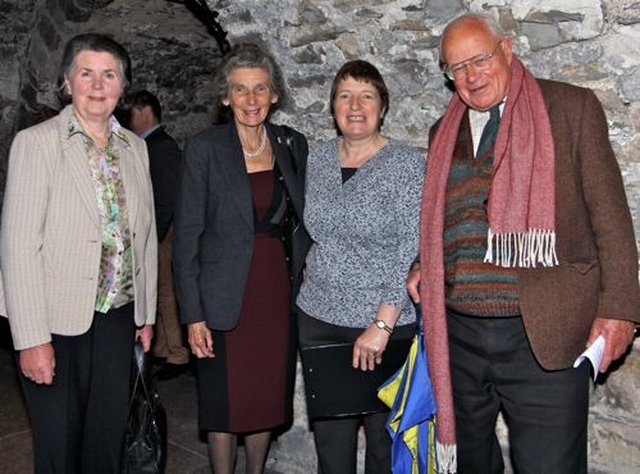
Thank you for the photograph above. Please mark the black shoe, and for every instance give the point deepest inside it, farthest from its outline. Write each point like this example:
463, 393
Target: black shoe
170, 371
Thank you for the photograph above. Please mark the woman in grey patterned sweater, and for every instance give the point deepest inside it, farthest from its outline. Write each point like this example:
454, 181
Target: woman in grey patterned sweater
362, 210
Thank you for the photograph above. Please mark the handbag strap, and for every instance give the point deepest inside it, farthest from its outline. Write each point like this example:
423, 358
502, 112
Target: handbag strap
141, 366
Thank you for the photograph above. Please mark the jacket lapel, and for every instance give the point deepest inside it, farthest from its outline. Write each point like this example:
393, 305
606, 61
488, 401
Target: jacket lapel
73, 150
285, 164
231, 162
128, 173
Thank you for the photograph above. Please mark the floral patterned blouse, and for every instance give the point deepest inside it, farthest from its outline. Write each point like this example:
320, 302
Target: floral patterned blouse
115, 286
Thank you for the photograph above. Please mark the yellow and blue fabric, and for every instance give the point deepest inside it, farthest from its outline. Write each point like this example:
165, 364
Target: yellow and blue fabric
411, 421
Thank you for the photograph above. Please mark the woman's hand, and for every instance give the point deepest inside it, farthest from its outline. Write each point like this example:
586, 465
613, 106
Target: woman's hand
145, 335
38, 363
368, 348
200, 340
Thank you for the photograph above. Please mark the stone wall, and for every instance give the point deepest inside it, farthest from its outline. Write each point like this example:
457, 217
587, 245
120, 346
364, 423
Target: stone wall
587, 42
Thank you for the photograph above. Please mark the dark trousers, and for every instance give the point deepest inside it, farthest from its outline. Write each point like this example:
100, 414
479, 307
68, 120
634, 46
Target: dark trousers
78, 422
336, 439
493, 370
337, 444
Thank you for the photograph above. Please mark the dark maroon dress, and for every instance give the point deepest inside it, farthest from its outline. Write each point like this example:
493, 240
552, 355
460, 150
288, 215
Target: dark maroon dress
248, 386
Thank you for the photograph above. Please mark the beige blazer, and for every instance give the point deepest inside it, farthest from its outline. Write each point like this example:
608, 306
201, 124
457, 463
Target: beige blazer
50, 239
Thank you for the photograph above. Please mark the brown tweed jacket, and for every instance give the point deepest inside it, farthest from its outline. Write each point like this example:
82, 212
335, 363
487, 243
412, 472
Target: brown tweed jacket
598, 271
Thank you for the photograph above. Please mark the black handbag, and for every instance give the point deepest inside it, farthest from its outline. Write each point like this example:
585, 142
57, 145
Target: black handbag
145, 444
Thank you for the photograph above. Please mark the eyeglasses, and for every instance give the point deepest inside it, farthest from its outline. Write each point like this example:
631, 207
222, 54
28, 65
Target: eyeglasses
478, 63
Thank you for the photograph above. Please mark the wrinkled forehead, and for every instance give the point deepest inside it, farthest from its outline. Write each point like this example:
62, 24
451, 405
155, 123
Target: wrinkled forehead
466, 40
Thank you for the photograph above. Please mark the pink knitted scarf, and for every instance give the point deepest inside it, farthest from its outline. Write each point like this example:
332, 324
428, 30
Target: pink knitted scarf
521, 215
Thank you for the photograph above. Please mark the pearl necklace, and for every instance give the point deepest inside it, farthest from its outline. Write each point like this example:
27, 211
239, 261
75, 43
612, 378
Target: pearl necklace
260, 149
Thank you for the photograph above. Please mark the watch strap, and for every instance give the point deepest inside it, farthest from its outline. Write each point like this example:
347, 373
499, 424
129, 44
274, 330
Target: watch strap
382, 325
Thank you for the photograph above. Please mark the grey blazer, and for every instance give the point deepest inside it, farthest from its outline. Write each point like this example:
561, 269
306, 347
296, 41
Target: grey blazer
213, 223
50, 240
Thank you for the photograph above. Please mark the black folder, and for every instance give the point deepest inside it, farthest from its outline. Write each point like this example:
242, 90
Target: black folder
334, 388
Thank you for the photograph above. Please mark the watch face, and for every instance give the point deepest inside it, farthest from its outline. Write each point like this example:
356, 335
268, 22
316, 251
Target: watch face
382, 325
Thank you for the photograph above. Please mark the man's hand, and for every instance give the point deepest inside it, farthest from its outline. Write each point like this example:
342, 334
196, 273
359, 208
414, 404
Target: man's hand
38, 363
413, 283
618, 335
200, 340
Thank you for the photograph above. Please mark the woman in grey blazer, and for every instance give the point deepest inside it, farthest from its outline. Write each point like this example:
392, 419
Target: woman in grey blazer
238, 248
78, 249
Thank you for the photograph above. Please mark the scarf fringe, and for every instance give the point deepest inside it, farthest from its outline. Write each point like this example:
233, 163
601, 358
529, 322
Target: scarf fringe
446, 458
522, 249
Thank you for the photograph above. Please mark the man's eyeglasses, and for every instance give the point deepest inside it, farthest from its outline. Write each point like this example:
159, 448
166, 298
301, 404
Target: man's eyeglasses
478, 63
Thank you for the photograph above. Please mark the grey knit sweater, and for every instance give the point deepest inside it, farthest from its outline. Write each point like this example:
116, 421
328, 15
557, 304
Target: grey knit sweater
365, 234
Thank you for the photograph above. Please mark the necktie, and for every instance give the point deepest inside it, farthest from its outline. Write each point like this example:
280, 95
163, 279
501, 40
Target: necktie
489, 132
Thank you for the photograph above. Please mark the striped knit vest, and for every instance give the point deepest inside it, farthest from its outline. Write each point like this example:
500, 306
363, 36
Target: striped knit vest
472, 286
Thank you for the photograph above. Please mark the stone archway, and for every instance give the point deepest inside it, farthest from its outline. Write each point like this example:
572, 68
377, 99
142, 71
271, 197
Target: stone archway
54, 22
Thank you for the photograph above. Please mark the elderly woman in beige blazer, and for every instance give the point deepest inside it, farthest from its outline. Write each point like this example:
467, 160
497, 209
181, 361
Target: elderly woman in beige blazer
78, 256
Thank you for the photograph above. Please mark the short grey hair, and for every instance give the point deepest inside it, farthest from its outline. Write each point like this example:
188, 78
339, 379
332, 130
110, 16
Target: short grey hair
246, 55
94, 42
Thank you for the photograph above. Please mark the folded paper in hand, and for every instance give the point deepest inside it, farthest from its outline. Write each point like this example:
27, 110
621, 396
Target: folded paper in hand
594, 354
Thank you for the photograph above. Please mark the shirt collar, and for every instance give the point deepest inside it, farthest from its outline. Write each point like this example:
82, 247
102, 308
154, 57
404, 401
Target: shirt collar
478, 120
74, 127
150, 130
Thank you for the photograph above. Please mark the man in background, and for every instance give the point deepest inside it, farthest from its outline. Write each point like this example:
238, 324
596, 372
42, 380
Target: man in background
145, 119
